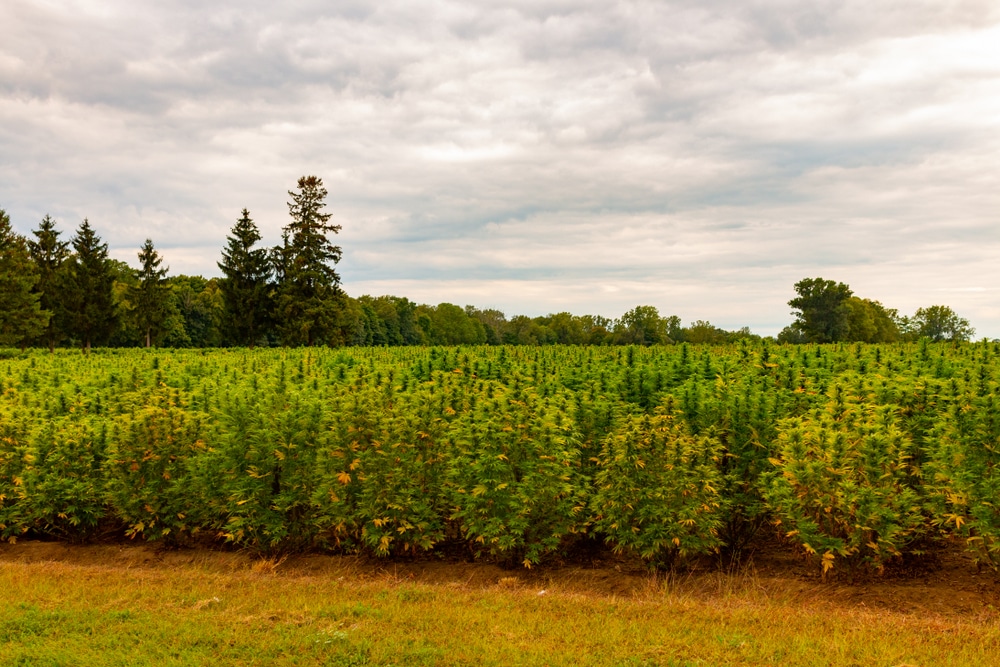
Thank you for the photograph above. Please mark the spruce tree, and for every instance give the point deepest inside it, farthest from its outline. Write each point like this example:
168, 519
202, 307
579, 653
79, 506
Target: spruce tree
246, 285
21, 314
151, 298
90, 308
48, 254
308, 294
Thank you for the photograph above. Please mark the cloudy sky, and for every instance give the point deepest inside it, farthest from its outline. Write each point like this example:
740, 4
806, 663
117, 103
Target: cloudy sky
533, 156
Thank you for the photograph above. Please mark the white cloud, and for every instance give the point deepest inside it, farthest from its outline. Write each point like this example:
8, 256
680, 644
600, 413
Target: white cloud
699, 156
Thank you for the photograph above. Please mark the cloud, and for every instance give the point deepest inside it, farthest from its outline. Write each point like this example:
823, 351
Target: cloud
546, 155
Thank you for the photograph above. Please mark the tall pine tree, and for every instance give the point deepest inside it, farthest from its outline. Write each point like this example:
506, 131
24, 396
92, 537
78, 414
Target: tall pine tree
246, 285
151, 304
48, 254
91, 316
21, 314
308, 294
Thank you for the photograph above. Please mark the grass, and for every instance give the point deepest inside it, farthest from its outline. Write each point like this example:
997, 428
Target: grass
218, 609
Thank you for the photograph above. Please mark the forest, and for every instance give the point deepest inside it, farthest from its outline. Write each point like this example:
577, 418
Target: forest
56, 293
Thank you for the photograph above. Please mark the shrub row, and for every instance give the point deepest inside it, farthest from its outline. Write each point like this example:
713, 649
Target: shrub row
513, 456
508, 479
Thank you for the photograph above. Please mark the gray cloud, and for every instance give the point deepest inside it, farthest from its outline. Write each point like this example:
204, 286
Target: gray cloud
537, 156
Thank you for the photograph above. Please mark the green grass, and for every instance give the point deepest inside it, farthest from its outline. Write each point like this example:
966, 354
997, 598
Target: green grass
218, 610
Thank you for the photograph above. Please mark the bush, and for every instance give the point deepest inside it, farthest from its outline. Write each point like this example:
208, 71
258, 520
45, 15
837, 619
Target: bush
515, 481
60, 492
380, 483
843, 486
658, 491
13, 450
965, 479
259, 476
147, 482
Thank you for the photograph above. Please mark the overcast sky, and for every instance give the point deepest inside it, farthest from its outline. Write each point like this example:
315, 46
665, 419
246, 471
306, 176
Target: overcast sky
533, 156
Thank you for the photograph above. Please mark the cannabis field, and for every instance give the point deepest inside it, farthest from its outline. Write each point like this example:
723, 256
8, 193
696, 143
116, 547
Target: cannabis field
857, 454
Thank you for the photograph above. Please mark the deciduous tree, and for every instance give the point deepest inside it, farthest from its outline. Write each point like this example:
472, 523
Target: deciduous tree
822, 313
871, 322
643, 326
197, 312
703, 331
941, 323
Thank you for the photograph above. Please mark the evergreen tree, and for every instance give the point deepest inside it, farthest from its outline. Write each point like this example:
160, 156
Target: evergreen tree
48, 254
21, 314
308, 294
246, 286
151, 298
91, 315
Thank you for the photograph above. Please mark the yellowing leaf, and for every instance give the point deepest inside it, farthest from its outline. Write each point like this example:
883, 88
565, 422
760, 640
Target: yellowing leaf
827, 562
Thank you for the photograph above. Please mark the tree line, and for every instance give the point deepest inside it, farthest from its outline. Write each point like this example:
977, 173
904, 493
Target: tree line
55, 293
828, 312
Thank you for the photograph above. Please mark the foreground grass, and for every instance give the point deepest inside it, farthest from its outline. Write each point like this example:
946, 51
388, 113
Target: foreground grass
223, 611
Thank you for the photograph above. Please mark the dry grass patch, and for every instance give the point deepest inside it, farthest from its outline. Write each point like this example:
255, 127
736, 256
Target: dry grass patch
133, 606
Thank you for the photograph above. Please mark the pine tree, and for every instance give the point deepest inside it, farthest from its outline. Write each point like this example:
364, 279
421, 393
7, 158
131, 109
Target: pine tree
151, 298
21, 315
246, 285
90, 306
309, 289
48, 254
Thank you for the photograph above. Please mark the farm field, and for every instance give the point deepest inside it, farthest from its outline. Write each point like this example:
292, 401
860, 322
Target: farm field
135, 604
749, 504
859, 457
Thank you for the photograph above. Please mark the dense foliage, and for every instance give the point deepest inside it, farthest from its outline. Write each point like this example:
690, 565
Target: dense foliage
290, 295
828, 312
21, 314
859, 454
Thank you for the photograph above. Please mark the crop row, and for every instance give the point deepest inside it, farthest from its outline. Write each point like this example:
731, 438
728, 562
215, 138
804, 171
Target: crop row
857, 454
